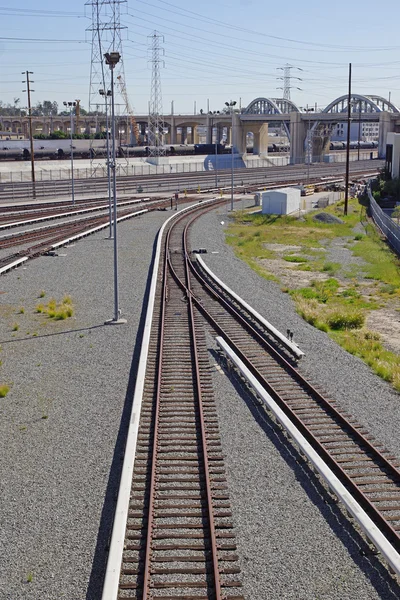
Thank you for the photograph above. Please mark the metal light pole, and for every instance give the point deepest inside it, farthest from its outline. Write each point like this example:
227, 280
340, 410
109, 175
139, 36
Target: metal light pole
230, 105
71, 106
106, 96
28, 90
112, 58
346, 191
216, 147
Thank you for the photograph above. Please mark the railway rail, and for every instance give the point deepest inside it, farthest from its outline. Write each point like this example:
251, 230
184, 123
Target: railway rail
173, 534
204, 180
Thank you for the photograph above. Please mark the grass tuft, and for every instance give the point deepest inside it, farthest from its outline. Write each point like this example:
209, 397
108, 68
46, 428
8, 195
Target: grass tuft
15, 327
4, 389
57, 311
294, 259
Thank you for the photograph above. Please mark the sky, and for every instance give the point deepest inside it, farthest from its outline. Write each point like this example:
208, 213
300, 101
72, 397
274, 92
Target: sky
213, 51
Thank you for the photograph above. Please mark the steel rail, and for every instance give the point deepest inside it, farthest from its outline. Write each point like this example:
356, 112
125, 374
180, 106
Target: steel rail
350, 431
150, 520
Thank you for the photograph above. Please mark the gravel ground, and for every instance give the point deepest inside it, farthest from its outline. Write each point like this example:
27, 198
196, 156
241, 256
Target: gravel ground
294, 543
63, 423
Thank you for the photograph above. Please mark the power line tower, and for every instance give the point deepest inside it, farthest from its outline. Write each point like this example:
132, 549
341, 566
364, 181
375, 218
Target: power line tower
286, 80
106, 30
155, 124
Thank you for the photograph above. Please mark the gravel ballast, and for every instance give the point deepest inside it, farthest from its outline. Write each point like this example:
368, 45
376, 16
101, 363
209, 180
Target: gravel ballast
64, 421
292, 540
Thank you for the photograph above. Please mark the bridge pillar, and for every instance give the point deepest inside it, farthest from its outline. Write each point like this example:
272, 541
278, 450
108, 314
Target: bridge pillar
195, 134
385, 126
172, 131
298, 134
260, 144
239, 135
209, 130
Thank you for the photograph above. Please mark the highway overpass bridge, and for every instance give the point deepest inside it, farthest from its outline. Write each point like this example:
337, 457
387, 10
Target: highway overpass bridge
304, 128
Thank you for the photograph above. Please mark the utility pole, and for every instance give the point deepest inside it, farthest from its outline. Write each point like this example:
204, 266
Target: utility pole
346, 191
28, 89
231, 106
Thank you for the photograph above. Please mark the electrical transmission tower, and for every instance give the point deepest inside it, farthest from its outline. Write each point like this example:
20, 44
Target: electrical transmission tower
286, 80
106, 30
155, 125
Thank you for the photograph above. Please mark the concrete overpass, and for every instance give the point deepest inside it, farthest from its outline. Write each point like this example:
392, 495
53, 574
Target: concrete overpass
302, 128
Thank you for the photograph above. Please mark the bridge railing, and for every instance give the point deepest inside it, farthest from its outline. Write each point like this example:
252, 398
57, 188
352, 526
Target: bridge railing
385, 223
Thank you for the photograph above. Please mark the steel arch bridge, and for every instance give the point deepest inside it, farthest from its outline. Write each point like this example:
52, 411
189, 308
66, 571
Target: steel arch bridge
360, 103
270, 106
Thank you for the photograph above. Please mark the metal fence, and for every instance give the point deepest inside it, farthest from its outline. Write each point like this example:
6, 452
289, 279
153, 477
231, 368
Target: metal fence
52, 171
385, 223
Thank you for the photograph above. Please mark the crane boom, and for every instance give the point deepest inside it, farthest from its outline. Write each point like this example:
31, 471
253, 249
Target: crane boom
134, 124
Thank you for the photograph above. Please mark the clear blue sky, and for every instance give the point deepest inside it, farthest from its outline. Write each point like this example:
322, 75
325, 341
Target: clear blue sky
216, 50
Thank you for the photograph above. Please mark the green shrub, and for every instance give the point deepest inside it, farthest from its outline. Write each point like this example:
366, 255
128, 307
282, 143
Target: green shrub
345, 320
294, 259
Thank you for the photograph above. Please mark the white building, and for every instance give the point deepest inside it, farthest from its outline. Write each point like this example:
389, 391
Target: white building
280, 202
393, 154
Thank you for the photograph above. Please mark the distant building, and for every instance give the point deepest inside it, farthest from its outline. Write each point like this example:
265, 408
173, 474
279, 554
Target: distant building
369, 132
393, 154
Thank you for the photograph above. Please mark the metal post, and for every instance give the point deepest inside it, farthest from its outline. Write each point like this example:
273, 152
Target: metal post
106, 95
233, 158
359, 130
112, 59
346, 191
72, 158
28, 89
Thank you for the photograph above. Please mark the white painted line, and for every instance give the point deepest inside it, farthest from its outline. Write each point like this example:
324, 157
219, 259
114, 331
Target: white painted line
98, 228
272, 330
13, 265
68, 214
110, 589
367, 525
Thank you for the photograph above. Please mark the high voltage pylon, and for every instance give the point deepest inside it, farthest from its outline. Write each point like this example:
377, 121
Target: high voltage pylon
286, 80
106, 30
155, 124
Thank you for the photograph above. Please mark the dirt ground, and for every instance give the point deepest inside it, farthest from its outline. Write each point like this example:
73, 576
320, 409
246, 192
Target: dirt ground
385, 320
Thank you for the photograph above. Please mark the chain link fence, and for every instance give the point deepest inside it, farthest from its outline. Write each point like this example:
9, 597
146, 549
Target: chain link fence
385, 223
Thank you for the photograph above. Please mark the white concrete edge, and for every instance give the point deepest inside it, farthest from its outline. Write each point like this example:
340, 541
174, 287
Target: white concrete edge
367, 525
78, 236
64, 215
13, 265
111, 581
275, 332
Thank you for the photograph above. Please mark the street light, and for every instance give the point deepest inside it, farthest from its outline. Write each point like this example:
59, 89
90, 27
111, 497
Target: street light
106, 96
230, 105
215, 112
112, 58
71, 106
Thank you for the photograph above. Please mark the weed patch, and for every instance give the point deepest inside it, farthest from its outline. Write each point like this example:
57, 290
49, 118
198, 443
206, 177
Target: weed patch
57, 310
294, 259
4, 389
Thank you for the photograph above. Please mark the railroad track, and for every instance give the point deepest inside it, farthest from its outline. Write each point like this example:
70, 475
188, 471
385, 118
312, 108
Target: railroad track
179, 539
190, 180
179, 535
